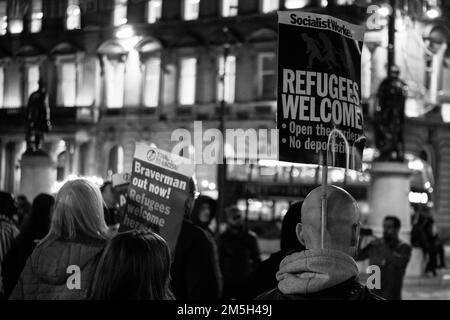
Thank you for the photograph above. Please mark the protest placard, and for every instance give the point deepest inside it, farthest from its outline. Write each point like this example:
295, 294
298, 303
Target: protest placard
157, 192
319, 81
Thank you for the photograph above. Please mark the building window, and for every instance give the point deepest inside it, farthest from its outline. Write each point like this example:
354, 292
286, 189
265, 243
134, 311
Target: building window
32, 80
270, 5
115, 77
120, 13
2, 86
36, 16
67, 90
227, 84
154, 10
151, 82
3, 18
73, 15
229, 8
191, 9
267, 80
115, 161
188, 72
15, 16
294, 4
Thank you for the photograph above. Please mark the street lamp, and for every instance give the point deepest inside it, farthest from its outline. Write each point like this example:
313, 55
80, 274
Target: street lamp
222, 168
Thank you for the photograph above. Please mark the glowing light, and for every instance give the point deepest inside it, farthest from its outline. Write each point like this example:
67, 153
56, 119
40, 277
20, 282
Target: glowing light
125, 32
205, 183
385, 10
16, 26
212, 186
427, 185
418, 197
416, 165
433, 13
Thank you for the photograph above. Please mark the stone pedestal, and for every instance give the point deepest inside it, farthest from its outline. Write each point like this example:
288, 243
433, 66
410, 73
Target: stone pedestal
388, 196
37, 175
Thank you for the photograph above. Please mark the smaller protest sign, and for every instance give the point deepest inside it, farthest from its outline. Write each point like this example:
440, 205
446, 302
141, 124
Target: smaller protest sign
157, 192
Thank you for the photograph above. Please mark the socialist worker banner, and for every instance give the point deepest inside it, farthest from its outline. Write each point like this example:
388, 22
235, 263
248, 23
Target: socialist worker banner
319, 90
157, 192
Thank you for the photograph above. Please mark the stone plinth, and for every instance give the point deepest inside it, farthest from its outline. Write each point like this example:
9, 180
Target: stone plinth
388, 196
37, 175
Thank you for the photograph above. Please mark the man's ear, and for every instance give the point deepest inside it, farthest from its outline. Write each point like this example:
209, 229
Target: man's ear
299, 233
355, 234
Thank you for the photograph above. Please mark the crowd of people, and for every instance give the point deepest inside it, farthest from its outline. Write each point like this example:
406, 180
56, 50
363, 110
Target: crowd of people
46, 245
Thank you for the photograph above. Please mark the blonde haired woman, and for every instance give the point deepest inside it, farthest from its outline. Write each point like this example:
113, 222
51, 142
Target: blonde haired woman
61, 265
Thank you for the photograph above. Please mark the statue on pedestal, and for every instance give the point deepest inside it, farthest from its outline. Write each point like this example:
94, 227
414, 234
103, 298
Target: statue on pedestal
390, 117
37, 119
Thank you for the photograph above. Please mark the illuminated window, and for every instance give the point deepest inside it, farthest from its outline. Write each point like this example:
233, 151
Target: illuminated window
2, 85
73, 15
15, 16
120, 13
32, 79
36, 16
115, 77
294, 4
15, 26
151, 82
191, 9
226, 86
229, 8
269, 5
267, 76
3, 18
67, 84
188, 74
154, 10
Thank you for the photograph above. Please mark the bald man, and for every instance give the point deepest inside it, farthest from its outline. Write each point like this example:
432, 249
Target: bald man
328, 273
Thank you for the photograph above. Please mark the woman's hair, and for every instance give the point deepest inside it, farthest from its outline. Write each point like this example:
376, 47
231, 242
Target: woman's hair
38, 224
78, 211
135, 265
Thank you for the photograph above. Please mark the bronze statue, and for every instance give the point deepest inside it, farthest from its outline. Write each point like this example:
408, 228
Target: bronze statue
390, 117
38, 119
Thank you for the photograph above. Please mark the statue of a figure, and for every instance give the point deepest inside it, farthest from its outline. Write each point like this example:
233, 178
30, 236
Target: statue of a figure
390, 117
38, 119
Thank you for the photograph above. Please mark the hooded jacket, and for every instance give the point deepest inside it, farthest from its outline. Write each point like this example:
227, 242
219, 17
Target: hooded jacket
46, 274
318, 274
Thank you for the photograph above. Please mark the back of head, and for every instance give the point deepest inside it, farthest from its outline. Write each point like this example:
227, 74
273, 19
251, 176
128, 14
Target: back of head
78, 211
134, 265
200, 202
288, 239
7, 205
342, 220
39, 222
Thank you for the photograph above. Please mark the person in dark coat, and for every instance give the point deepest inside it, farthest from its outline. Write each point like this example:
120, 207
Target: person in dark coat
239, 255
195, 268
35, 229
324, 271
263, 278
203, 213
391, 255
62, 264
